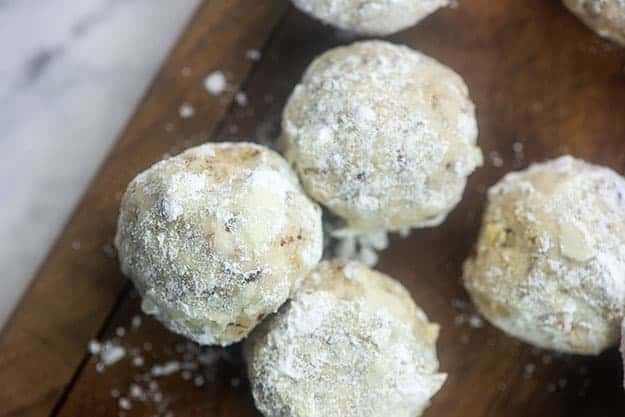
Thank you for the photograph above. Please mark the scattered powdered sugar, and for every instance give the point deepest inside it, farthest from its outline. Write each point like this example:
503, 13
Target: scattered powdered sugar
475, 321
111, 353
362, 247
136, 392
120, 331
136, 322
528, 370
467, 314
215, 83
108, 353
94, 347
253, 55
241, 99
186, 111
518, 151
124, 403
185, 71
109, 250
184, 360
165, 369
495, 159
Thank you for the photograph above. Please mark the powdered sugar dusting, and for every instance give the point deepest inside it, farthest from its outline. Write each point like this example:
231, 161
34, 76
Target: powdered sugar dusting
370, 17
551, 256
253, 55
108, 353
606, 17
215, 83
377, 141
363, 247
332, 355
182, 187
186, 111
226, 218
186, 361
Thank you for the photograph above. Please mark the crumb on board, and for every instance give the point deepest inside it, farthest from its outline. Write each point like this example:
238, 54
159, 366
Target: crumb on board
136, 321
241, 99
361, 247
476, 321
185, 360
253, 55
186, 111
215, 83
528, 370
495, 159
109, 250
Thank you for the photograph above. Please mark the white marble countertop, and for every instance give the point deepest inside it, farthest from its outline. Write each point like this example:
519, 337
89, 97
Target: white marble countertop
72, 73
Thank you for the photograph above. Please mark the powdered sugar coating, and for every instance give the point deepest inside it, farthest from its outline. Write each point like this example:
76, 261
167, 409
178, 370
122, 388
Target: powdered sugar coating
351, 343
383, 135
216, 238
549, 266
370, 17
606, 17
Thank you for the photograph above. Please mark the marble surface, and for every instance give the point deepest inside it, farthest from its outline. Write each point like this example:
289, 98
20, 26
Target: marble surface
72, 73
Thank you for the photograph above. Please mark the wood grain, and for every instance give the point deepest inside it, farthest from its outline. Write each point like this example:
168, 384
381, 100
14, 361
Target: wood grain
44, 342
539, 78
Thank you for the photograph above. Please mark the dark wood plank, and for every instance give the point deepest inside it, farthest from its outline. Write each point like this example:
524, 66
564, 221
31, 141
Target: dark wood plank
532, 70
43, 344
539, 78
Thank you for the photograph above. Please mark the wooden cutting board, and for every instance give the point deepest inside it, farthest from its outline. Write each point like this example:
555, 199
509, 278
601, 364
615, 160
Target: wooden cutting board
543, 84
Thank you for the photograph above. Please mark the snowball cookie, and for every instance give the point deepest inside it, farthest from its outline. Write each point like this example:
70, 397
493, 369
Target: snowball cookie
351, 343
370, 17
549, 266
606, 17
216, 238
383, 135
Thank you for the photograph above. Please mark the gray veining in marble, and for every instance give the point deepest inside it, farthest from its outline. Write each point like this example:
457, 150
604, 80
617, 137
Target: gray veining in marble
72, 73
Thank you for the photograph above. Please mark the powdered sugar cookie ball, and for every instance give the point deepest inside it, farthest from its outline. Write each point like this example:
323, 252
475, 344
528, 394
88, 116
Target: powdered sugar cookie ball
606, 17
216, 238
382, 135
351, 343
549, 266
370, 17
